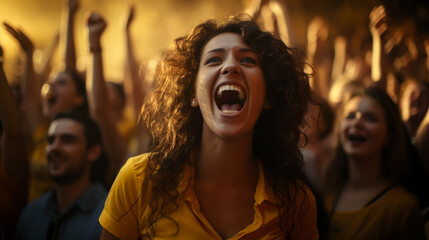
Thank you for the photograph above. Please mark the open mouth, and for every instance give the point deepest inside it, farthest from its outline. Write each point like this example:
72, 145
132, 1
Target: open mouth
230, 99
51, 99
356, 138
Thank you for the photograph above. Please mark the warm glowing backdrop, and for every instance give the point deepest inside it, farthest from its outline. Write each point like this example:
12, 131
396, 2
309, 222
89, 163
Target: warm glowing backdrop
158, 22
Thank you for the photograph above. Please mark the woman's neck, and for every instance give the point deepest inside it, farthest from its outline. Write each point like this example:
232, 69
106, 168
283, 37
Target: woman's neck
365, 172
226, 160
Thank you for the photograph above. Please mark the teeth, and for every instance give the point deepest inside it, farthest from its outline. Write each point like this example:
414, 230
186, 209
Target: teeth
229, 111
231, 88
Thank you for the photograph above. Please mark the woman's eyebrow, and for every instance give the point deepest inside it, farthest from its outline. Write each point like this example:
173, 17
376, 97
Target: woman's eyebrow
223, 50
215, 50
247, 50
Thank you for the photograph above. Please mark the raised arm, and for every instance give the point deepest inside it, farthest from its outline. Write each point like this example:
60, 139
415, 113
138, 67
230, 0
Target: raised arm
422, 134
70, 51
32, 99
47, 65
133, 81
319, 55
422, 140
133, 84
254, 10
340, 55
378, 26
14, 152
280, 11
98, 98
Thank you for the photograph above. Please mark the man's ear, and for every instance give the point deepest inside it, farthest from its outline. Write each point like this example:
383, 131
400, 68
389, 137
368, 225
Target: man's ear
94, 153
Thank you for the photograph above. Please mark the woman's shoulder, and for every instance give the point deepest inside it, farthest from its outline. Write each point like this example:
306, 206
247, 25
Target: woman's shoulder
399, 192
137, 166
139, 160
303, 190
401, 197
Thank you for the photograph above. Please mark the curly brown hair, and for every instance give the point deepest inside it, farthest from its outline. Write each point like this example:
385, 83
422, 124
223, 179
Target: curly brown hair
176, 127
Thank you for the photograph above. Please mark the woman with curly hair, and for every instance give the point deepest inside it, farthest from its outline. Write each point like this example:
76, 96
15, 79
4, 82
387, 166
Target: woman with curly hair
225, 116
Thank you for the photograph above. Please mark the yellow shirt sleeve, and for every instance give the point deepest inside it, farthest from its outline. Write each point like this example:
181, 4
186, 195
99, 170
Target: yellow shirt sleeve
125, 201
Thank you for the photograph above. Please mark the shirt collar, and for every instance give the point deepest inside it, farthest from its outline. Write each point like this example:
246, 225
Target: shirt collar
263, 189
86, 202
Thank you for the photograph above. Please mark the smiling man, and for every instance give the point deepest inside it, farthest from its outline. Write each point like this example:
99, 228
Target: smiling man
71, 210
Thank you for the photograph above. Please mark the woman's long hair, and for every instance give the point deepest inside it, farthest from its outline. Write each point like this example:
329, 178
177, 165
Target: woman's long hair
176, 127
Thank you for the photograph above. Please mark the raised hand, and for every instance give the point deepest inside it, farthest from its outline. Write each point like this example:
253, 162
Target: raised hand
378, 21
378, 26
255, 8
21, 37
96, 25
317, 29
73, 5
130, 17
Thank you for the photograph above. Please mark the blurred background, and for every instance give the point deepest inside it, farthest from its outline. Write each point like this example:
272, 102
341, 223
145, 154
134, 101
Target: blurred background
158, 22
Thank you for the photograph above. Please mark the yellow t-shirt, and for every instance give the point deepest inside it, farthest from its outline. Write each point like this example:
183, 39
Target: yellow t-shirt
126, 209
395, 215
127, 128
40, 181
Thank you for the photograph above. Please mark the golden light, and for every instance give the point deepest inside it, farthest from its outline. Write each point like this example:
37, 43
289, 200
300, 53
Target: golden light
155, 26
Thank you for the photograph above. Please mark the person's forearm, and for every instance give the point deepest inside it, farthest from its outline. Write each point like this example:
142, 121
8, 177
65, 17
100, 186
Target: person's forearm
97, 97
9, 113
70, 50
47, 65
376, 68
422, 140
339, 57
280, 11
96, 85
32, 98
133, 83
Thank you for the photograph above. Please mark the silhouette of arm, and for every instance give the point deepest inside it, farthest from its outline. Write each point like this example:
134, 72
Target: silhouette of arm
70, 51
32, 99
134, 87
98, 98
14, 152
47, 65
377, 27
422, 140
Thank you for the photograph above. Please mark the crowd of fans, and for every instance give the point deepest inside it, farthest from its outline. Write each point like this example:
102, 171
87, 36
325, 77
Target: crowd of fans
363, 140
